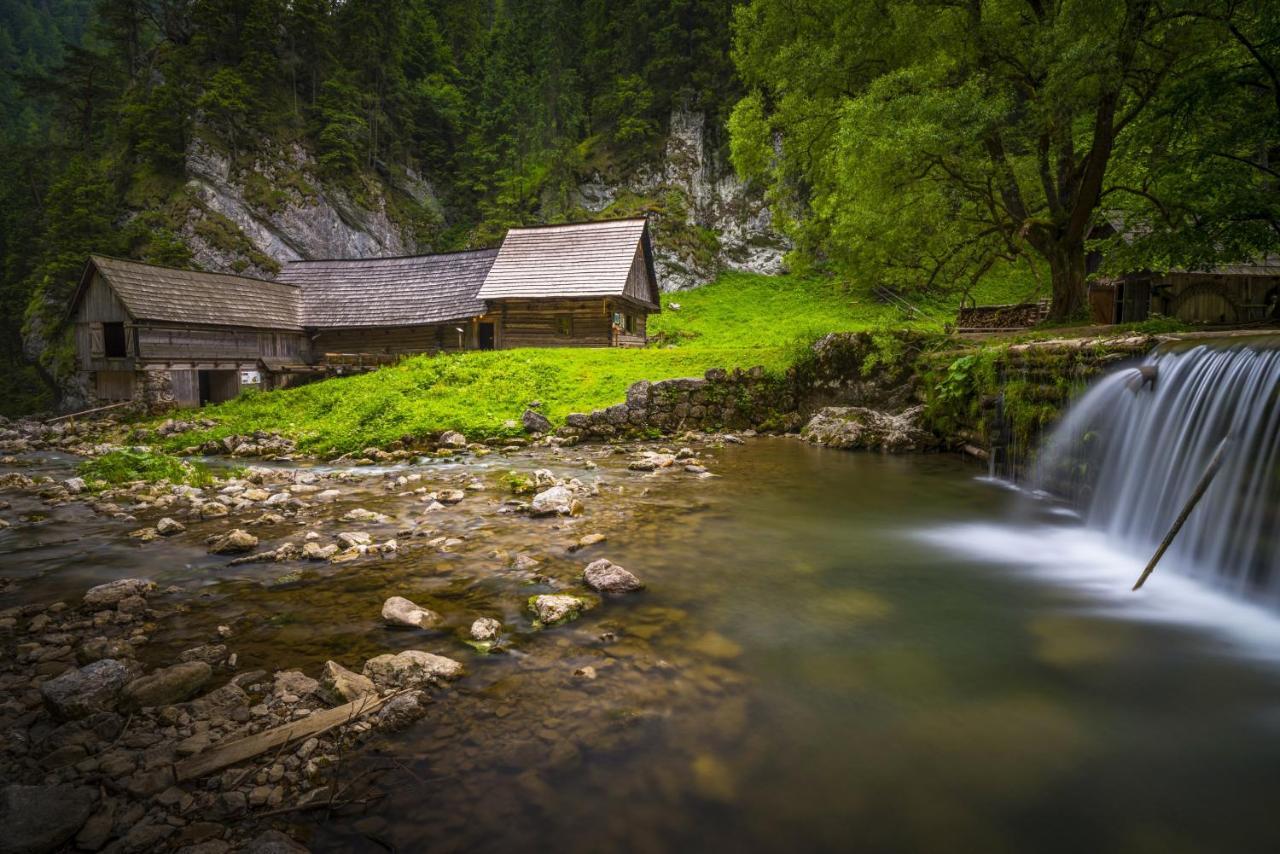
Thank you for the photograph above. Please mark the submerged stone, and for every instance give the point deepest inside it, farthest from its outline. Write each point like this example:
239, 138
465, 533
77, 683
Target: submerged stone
399, 611
607, 577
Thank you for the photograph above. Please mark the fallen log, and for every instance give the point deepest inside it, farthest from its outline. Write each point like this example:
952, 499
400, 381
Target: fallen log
90, 411
225, 755
1205, 479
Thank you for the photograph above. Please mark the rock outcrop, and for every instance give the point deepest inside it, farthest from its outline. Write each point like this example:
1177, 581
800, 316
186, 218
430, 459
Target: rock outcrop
860, 428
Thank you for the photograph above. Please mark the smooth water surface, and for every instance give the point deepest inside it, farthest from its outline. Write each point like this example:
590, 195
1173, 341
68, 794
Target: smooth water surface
835, 651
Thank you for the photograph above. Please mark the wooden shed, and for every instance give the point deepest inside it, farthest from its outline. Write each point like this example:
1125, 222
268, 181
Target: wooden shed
393, 306
178, 336
1227, 295
588, 284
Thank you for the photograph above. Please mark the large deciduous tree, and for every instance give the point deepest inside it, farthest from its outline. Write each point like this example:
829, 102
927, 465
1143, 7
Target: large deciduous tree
923, 141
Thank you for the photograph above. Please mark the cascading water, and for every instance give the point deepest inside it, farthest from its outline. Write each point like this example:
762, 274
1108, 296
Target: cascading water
1131, 450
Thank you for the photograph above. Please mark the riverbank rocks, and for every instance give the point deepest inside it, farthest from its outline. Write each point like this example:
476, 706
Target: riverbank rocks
167, 685
535, 422
452, 439
237, 541
551, 608
109, 594
360, 514
91, 689
486, 629
167, 527
39, 819
860, 428
556, 501
412, 668
339, 685
399, 611
607, 577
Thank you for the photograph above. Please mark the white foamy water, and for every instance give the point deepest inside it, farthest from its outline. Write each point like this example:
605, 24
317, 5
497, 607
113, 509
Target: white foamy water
1084, 562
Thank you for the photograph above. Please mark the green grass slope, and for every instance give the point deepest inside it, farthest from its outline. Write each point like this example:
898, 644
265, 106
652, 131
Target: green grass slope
741, 321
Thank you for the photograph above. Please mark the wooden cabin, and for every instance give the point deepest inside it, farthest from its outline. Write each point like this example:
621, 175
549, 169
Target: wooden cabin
187, 338
1226, 295
393, 306
165, 336
588, 284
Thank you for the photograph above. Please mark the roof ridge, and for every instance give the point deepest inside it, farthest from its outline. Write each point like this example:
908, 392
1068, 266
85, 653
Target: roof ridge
394, 257
644, 219
94, 256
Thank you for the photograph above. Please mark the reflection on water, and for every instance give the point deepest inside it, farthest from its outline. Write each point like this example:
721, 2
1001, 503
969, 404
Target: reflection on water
834, 652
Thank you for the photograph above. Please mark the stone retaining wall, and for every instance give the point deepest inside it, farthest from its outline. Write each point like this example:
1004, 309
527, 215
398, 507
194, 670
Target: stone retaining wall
835, 372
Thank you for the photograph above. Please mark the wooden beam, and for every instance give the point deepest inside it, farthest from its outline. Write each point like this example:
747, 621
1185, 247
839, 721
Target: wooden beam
242, 750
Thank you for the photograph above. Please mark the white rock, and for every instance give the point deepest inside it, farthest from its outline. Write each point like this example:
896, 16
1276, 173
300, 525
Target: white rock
399, 611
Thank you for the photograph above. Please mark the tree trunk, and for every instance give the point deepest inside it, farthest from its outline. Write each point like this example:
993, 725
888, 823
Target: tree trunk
1070, 292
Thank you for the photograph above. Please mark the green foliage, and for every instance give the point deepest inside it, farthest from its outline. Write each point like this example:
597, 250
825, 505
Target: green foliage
130, 465
922, 143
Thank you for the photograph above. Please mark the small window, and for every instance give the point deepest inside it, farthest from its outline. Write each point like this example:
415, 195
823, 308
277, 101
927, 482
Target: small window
631, 324
113, 340
564, 325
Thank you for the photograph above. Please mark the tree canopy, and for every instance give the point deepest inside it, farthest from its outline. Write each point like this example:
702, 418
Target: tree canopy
919, 142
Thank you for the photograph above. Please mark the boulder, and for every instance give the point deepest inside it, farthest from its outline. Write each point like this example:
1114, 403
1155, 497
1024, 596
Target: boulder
167, 527
315, 551
401, 711
860, 428
409, 669
107, 595
556, 607
213, 510
36, 819
167, 685
452, 439
340, 685
293, 683
557, 500
486, 629
74, 485
399, 611
535, 422
91, 689
234, 542
607, 577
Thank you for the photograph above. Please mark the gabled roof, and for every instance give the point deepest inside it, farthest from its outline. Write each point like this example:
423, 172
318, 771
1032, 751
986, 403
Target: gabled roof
189, 296
405, 291
587, 259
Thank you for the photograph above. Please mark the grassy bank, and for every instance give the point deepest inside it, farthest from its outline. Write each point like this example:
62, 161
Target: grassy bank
740, 321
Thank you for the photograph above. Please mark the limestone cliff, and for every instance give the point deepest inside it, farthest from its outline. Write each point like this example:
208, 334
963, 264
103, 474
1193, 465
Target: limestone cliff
707, 219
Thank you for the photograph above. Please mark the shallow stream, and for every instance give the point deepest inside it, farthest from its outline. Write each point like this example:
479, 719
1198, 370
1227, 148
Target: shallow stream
836, 651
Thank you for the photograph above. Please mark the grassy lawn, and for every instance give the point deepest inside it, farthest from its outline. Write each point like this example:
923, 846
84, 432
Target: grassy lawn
742, 320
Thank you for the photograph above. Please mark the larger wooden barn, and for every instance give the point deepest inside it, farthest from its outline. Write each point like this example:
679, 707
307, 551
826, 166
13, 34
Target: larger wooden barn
165, 336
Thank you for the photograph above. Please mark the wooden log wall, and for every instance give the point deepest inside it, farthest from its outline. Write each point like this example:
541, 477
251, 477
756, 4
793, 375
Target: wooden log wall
399, 339
542, 323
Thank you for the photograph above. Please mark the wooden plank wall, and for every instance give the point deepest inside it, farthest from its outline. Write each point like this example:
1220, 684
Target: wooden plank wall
534, 323
114, 386
195, 343
639, 286
400, 339
186, 388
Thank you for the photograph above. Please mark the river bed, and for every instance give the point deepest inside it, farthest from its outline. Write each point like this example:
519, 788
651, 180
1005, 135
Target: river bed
834, 651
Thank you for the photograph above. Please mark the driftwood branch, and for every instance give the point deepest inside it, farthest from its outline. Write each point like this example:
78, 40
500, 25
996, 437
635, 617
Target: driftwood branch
242, 750
1201, 488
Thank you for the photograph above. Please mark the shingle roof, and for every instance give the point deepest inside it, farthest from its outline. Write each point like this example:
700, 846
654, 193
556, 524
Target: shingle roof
188, 296
404, 291
580, 260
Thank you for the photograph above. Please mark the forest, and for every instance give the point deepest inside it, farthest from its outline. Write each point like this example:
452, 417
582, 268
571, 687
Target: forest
914, 144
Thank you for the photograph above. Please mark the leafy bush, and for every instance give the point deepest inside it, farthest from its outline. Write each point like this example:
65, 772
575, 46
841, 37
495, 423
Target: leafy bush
131, 465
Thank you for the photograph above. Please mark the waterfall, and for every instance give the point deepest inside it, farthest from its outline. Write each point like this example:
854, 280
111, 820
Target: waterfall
1130, 451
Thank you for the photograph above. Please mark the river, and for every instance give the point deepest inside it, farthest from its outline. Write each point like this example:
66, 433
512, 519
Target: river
835, 651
